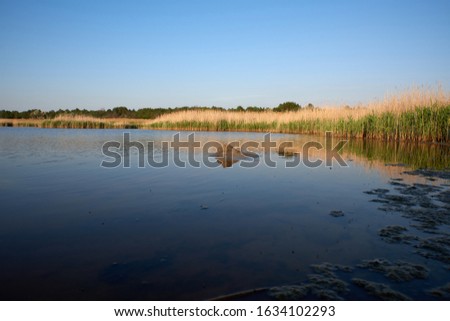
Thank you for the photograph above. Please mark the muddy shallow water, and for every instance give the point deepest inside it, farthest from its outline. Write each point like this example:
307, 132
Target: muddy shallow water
378, 228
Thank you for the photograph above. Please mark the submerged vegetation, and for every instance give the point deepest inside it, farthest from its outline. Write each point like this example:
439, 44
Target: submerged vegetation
416, 115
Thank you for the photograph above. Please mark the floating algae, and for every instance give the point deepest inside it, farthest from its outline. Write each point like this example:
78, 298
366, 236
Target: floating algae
399, 200
399, 271
337, 213
328, 295
437, 248
427, 209
300, 292
397, 183
377, 191
409, 193
328, 268
427, 205
380, 290
428, 220
324, 285
318, 288
442, 292
392, 202
444, 197
328, 282
395, 234
290, 292
418, 189
429, 173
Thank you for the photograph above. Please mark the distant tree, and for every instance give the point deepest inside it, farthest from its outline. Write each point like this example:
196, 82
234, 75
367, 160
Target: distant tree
120, 112
254, 108
238, 108
151, 113
6, 114
50, 114
309, 106
287, 106
35, 113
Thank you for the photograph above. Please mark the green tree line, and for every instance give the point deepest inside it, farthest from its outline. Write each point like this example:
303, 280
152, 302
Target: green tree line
143, 113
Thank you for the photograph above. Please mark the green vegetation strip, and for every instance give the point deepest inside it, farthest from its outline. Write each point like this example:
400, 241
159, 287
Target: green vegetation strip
428, 124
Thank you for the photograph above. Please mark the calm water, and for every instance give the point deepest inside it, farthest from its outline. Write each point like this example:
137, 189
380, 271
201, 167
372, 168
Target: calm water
70, 229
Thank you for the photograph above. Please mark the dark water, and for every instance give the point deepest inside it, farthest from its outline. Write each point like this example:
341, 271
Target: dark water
70, 229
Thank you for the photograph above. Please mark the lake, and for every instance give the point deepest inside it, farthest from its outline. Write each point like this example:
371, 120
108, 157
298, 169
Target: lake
70, 229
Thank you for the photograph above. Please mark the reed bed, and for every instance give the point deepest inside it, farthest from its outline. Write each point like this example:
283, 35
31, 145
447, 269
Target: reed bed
419, 124
416, 115
20, 122
83, 122
413, 115
88, 122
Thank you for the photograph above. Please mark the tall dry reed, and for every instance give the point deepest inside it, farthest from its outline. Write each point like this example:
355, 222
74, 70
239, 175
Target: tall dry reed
418, 114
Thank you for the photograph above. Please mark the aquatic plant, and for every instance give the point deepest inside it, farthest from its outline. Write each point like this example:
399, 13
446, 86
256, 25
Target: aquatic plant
419, 124
415, 115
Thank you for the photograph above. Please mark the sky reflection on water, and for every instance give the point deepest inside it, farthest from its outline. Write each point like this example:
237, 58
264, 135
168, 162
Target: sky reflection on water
70, 229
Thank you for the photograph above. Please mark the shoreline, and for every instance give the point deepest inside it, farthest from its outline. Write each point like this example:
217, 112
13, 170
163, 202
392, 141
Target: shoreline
104, 125
422, 125
387, 154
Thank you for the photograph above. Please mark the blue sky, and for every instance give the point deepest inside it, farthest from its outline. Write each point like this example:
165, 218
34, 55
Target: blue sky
102, 54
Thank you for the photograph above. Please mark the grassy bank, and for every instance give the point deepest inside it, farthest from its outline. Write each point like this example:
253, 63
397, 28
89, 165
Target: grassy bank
421, 124
81, 122
413, 116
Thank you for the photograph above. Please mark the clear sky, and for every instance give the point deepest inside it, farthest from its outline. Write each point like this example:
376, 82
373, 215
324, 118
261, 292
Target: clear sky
102, 54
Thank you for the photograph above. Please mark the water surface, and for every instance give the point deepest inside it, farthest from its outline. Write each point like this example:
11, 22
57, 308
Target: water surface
70, 229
